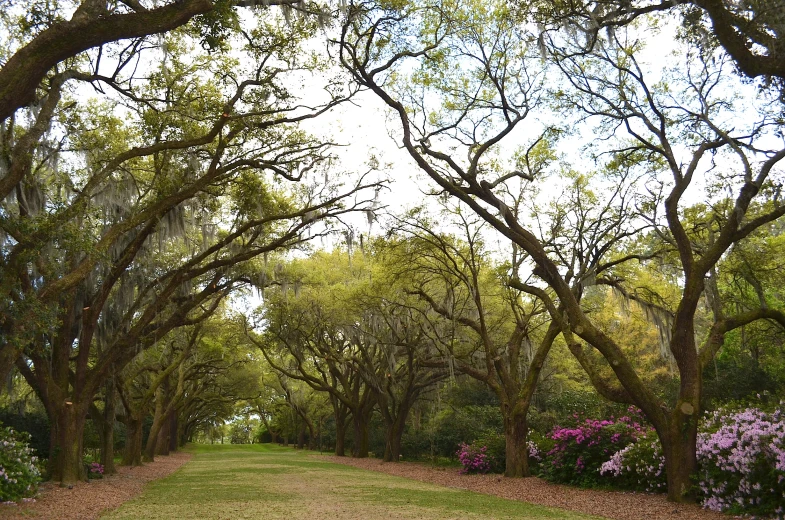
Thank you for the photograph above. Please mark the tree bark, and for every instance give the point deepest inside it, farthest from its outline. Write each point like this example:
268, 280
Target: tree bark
360, 445
392, 445
158, 420
8, 356
340, 412
679, 439
132, 454
164, 436
340, 437
516, 434
173, 431
311, 435
66, 443
107, 425
395, 426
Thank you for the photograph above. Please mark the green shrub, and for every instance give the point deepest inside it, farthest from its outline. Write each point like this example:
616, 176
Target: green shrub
415, 444
35, 423
93, 468
541, 421
452, 427
567, 405
19, 473
493, 446
495, 449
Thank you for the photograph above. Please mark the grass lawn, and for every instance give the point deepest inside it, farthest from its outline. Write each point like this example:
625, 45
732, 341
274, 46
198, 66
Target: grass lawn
273, 483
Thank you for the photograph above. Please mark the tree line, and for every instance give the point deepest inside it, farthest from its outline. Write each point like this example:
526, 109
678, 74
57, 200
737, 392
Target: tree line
130, 214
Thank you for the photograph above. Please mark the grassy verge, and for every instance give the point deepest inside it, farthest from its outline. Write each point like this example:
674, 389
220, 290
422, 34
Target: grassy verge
265, 481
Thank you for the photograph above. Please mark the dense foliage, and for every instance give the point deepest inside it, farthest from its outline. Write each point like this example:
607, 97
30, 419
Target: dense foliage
741, 453
602, 227
19, 467
579, 451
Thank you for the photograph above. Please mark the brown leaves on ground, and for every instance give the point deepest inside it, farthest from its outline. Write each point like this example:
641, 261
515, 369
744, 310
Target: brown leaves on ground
609, 504
88, 500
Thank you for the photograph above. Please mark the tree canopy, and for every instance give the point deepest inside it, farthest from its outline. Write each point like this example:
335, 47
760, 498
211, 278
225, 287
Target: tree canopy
603, 211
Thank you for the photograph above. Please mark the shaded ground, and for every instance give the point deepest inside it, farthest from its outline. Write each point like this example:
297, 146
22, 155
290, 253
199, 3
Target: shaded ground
264, 481
86, 501
610, 504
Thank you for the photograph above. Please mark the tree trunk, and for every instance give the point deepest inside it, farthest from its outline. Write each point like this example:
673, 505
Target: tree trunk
132, 455
164, 435
66, 443
340, 438
392, 444
173, 431
312, 434
107, 425
8, 356
158, 422
516, 431
301, 438
394, 433
360, 447
340, 412
679, 448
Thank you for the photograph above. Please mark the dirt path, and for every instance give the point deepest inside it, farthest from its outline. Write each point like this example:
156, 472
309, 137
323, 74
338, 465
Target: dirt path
610, 504
87, 500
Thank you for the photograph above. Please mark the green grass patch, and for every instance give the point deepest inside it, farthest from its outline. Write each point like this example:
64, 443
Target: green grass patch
274, 483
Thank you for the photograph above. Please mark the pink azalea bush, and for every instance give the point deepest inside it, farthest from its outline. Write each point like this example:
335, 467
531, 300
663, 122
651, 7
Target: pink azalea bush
579, 451
488, 452
95, 470
474, 459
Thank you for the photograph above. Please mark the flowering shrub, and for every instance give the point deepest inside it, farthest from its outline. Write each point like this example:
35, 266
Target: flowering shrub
492, 446
741, 460
495, 452
639, 466
474, 459
741, 456
579, 451
19, 473
535, 455
95, 470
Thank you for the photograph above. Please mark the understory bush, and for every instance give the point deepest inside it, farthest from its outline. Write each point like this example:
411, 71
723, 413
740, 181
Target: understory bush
639, 466
452, 427
741, 456
741, 461
19, 472
488, 454
35, 423
474, 458
496, 446
93, 468
578, 451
